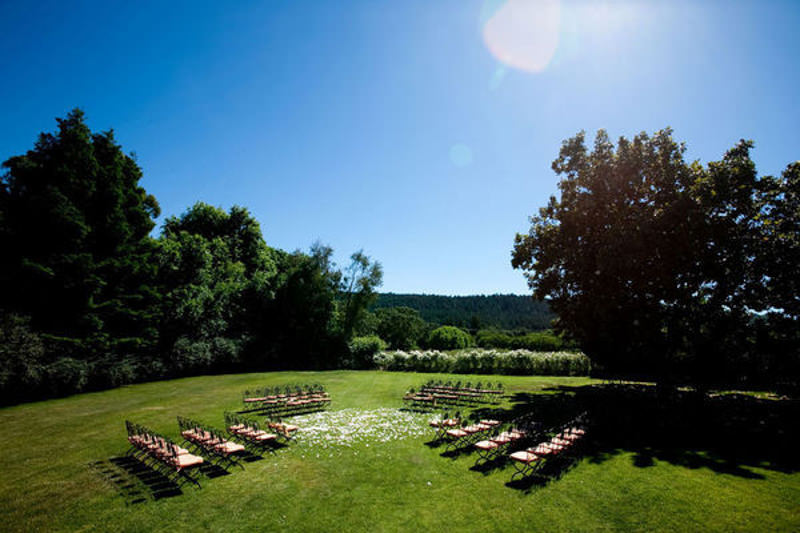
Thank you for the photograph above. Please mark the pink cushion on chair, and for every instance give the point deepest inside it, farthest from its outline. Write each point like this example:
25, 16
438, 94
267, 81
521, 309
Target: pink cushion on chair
187, 460
229, 447
524, 457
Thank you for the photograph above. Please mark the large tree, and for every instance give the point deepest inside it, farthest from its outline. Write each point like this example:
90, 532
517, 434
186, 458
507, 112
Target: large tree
74, 230
217, 275
653, 264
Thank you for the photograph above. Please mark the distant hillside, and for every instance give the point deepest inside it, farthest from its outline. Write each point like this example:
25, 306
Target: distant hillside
504, 311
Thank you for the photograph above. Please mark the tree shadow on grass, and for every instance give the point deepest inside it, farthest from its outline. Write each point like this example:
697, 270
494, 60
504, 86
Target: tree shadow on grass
729, 434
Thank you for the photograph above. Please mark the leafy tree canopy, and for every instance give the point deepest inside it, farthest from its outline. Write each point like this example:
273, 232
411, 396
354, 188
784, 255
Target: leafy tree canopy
74, 225
401, 327
657, 265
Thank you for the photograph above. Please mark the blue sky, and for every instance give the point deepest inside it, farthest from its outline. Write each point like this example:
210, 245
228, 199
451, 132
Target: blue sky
410, 129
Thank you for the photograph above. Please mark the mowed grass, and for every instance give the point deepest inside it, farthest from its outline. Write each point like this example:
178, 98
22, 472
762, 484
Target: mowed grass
402, 485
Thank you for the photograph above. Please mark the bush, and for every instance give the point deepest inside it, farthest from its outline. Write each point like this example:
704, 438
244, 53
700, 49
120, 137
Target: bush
449, 338
21, 354
363, 350
66, 376
540, 341
488, 338
479, 361
109, 373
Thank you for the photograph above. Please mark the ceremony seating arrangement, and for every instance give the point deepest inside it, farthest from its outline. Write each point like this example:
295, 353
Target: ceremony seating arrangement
210, 442
437, 393
161, 454
559, 448
290, 400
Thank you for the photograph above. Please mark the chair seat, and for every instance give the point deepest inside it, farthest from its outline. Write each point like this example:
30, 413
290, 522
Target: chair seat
542, 449
490, 422
500, 439
486, 445
524, 457
229, 447
457, 433
187, 460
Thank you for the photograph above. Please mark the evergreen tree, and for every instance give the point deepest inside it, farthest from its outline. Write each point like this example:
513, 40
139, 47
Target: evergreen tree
74, 226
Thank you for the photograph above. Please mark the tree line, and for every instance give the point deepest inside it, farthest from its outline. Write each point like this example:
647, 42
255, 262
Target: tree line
500, 311
89, 299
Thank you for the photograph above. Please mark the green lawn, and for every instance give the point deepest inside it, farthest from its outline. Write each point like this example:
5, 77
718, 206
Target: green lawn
401, 485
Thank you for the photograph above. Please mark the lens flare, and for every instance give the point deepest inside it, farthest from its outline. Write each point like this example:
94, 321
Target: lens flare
461, 155
523, 34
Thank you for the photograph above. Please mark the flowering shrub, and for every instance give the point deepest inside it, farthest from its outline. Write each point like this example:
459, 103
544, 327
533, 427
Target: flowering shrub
480, 361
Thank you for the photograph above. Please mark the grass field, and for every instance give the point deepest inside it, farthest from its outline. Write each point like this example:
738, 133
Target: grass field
397, 485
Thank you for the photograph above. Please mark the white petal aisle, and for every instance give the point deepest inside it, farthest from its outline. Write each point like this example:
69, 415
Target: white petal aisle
349, 427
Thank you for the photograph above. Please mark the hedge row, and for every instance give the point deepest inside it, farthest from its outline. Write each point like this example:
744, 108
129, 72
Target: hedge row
478, 361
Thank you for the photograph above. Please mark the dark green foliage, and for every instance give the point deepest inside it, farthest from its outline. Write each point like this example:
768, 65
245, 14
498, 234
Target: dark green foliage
654, 265
502, 311
357, 291
110, 305
22, 355
363, 349
540, 341
66, 375
299, 324
448, 338
74, 236
401, 327
215, 272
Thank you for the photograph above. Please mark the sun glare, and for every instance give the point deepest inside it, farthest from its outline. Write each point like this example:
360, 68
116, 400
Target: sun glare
523, 34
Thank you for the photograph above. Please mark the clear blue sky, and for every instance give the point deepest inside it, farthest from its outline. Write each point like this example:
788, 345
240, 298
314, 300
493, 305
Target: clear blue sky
420, 131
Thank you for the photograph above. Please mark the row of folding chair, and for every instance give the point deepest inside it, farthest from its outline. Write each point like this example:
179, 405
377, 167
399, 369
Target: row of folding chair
253, 433
503, 440
465, 433
161, 454
429, 399
479, 387
285, 391
437, 393
210, 442
276, 402
561, 448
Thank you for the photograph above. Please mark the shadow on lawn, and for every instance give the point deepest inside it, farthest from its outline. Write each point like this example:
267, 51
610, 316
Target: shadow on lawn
727, 434
138, 482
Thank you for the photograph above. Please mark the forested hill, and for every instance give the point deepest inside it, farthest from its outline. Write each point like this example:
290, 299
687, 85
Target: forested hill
504, 311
